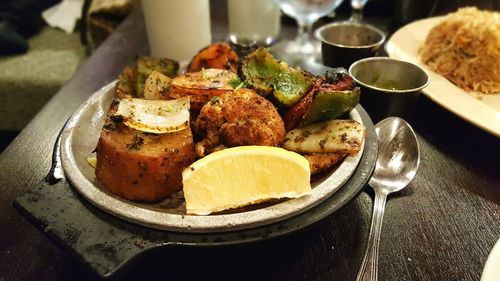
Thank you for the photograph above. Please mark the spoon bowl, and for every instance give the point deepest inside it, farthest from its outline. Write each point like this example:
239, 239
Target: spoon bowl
398, 156
397, 163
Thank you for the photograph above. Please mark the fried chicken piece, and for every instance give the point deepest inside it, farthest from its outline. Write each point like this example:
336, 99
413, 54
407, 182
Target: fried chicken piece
239, 118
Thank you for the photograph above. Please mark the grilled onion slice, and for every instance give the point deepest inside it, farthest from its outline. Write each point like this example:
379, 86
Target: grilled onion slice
155, 116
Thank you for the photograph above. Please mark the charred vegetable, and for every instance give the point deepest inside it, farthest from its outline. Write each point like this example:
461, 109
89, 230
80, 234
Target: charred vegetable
267, 75
154, 116
330, 97
218, 55
201, 86
131, 80
330, 105
145, 65
327, 143
156, 86
321, 161
125, 86
334, 136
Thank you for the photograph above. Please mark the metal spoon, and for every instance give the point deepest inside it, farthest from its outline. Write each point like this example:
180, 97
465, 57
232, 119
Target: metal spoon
397, 164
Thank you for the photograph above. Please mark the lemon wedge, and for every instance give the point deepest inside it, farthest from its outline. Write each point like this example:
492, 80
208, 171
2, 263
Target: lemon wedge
155, 116
239, 176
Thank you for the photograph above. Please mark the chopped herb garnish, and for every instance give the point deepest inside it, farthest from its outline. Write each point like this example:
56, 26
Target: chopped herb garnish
137, 142
322, 143
214, 100
241, 85
234, 83
343, 137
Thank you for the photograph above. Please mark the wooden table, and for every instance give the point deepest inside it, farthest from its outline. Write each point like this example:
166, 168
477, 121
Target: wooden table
441, 227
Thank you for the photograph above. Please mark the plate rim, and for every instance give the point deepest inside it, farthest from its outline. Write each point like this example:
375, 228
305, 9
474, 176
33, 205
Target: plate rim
490, 270
226, 222
490, 124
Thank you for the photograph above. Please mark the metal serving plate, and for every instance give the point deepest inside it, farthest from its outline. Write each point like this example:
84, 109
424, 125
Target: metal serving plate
79, 139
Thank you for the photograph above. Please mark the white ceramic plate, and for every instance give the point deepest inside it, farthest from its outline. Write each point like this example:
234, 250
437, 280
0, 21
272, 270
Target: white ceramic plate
483, 113
79, 139
491, 271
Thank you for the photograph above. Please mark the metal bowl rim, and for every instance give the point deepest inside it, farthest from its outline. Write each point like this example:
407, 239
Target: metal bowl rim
318, 35
412, 90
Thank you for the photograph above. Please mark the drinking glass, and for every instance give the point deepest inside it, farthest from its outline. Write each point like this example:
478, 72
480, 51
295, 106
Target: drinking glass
253, 22
357, 10
172, 31
306, 13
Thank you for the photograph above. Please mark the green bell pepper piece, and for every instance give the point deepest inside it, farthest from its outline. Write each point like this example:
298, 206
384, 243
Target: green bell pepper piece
329, 105
266, 74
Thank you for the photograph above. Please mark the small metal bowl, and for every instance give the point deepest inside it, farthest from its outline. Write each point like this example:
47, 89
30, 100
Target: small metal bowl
389, 87
343, 43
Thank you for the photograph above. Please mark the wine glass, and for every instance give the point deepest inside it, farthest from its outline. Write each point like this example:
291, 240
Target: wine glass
306, 13
357, 10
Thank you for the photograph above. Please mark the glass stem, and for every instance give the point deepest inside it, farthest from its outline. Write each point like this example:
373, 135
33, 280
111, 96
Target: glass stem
305, 29
356, 14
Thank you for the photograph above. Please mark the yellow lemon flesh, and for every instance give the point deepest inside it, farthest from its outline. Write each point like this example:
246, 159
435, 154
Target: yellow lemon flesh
239, 176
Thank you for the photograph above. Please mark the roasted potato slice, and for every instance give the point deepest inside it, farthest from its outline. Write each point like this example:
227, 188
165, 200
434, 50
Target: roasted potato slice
201, 86
218, 55
142, 167
333, 136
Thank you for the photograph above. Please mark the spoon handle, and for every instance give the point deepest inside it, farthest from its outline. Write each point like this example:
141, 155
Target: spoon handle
369, 266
